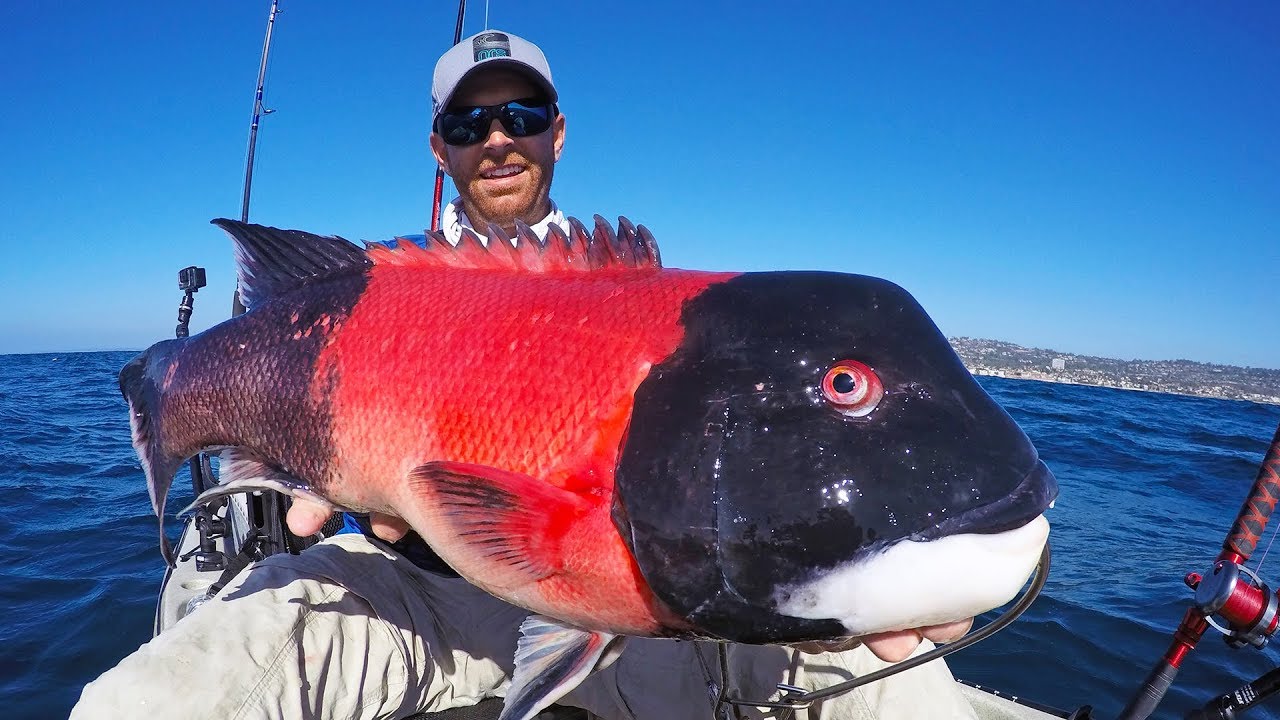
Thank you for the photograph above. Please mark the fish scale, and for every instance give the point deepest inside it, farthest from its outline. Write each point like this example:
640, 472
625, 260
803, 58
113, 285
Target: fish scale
477, 402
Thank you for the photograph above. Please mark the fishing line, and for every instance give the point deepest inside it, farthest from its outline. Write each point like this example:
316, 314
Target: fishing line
795, 698
1274, 530
265, 140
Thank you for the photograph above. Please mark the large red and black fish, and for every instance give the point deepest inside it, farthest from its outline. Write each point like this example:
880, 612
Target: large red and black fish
620, 448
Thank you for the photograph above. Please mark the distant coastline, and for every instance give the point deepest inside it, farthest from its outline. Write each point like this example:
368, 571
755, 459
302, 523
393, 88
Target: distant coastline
1179, 377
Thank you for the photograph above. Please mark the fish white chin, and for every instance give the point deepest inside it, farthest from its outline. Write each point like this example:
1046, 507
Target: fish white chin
917, 584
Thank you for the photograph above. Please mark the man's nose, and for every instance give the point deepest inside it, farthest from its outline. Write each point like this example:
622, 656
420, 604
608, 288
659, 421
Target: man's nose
497, 138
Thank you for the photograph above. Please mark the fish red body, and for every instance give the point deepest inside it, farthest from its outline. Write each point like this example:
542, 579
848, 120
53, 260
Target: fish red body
503, 369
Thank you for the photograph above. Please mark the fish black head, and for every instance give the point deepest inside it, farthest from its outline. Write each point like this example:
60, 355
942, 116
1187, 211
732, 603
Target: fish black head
815, 461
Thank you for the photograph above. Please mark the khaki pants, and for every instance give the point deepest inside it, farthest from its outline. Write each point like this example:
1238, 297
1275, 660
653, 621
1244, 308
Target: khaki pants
349, 629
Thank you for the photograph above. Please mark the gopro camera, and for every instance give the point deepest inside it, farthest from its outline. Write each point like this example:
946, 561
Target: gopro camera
191, 279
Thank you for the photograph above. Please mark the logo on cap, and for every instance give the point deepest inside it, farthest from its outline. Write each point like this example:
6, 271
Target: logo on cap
486, 46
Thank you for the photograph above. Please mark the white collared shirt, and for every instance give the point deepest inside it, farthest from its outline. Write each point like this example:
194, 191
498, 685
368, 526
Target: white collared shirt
454, 219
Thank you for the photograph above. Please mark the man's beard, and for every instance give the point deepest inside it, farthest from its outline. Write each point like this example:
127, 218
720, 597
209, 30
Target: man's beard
527, 203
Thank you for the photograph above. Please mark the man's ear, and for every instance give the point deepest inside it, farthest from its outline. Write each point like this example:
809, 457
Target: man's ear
559, 142
438, 148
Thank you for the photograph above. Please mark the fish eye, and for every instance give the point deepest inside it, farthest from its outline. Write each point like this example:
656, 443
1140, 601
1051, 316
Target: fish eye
852, 388
843, 383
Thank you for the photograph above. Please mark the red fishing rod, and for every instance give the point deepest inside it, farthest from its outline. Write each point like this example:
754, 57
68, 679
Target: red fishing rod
439, 193
1230, 598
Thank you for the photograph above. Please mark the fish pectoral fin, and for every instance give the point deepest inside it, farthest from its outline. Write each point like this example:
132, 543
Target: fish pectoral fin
241, 471
551, 660
502, 525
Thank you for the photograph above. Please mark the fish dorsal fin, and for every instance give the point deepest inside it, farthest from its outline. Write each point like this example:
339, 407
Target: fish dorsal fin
271, 261
639, 238
578, 250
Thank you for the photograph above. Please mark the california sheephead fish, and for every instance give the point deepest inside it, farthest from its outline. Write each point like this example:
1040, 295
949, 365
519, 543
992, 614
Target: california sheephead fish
622, 449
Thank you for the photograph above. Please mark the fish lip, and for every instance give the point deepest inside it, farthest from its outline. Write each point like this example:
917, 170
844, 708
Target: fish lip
1028, 501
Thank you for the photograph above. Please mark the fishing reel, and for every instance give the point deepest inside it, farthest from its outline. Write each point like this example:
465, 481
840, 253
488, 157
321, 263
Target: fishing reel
1231, 598
1237, 602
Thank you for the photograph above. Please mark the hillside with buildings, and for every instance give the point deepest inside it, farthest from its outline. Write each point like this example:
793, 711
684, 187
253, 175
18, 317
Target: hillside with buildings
1183, 377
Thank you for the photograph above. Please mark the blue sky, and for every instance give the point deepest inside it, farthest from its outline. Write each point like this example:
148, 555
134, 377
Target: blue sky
1095, 177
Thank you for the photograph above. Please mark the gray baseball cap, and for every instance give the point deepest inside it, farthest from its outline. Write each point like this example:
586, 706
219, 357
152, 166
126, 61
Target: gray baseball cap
488, 49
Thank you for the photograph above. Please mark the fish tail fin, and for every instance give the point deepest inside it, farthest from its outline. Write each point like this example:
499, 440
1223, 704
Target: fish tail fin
139, 387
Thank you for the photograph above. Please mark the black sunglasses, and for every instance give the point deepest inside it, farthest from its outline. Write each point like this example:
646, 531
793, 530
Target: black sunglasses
470, 125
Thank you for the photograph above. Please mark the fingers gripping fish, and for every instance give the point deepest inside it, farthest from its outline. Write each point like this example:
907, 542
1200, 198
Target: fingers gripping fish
621, 448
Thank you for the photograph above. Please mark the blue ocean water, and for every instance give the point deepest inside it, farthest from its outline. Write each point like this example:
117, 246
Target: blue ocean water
1150, 484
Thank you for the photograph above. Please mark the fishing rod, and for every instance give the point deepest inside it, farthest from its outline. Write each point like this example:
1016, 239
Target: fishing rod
439, 191
258, 111
237, 307
1230, 598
